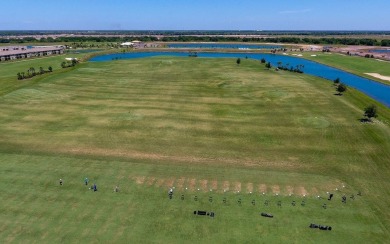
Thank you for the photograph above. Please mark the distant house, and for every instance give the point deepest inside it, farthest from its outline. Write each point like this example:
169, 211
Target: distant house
135, 44
127, 44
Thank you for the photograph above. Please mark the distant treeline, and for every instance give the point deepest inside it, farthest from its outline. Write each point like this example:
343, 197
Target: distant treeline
203, 38
192, 32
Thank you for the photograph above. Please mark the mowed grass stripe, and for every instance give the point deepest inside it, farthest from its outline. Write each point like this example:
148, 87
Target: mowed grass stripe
148, 124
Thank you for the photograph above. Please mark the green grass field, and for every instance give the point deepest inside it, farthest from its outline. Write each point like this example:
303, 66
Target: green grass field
208, 127
353, 64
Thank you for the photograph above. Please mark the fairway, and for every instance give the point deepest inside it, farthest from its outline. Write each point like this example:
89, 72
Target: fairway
237, 140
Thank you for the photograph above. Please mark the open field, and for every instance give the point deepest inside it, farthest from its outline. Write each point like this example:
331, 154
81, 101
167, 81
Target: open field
207, 127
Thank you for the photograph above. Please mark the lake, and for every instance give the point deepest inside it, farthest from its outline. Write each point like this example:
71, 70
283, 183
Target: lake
221, 46
376, 90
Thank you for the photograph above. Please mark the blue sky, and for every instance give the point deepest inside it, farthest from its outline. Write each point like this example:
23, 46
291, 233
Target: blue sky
195, 15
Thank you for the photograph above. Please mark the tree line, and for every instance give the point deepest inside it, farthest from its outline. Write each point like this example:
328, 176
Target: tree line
31, 72
185, 38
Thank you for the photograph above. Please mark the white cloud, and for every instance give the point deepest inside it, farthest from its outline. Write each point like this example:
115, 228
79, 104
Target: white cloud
301, 11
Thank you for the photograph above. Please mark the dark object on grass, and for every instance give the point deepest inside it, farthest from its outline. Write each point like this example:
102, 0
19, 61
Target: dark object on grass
321, 227
60, 182
210, 199
324, 227
267, 215
253, 202
344, 199
330, 197
224, 200
94, 187
196, 198
359, 193
352, 197
293, 203
204, 213
239, 201
303, 203
324, 206
182, 197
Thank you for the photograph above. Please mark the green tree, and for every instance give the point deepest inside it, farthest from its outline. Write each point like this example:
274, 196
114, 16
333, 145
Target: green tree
268, 65
370, 112
41, 70
63, 64
50, 69
341, 88
263, 61
74, 62
20, 77
336, 81
238, 61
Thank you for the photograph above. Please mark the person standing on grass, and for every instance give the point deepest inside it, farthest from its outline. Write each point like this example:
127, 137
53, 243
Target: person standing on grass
60, 182
86, 181
94, 187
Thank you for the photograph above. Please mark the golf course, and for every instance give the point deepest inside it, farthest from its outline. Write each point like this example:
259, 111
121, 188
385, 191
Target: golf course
232, 138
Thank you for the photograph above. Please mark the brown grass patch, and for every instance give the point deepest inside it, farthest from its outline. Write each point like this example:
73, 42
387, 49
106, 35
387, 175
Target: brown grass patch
150, 181
203, 185
180, 183
301, 191
160, 182
237, 186
290, 190
314, 191
262, 188
214, 185
226, 185
249, 188
140, 180
192, 184
275, 189
169, 182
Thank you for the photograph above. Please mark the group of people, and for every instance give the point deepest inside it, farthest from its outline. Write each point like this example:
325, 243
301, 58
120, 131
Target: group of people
94, 187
